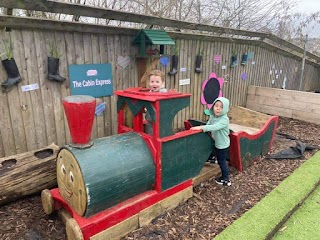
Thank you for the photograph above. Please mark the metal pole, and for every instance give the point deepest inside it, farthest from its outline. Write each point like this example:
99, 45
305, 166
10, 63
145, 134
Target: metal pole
303, 61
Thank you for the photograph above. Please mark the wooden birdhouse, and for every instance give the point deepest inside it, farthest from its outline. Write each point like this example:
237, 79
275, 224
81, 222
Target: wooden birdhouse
152, 37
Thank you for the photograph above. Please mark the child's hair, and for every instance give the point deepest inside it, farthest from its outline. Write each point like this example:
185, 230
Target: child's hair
156, 72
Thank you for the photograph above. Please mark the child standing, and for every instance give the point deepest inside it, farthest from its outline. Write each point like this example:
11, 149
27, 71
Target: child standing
218, 125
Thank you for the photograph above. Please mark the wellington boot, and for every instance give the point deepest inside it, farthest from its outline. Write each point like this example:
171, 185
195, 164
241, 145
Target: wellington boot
53, 70
198, 64
234, 61
12, 71
244, 59
174, 65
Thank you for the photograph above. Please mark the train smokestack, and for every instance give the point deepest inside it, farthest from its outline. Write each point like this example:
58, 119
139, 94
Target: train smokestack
79, 110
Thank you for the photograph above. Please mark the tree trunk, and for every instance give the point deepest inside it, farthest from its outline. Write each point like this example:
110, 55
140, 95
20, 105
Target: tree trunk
27, 173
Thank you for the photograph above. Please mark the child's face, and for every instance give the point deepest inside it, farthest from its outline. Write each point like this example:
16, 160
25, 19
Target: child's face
217, 108
155, 83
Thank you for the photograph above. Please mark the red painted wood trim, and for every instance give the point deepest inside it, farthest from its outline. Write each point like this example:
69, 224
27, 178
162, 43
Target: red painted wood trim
180, 135
120, 120
260, 132
110, 217
145, 94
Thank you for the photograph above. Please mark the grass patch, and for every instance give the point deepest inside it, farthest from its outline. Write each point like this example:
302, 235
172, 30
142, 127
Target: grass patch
305, 222
266, 215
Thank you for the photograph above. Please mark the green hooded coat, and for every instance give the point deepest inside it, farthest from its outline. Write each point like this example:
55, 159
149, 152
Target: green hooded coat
219, 125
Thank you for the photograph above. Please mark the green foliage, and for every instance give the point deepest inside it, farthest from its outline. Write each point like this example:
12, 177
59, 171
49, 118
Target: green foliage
201, 51
176, 48
7, 45
54, 50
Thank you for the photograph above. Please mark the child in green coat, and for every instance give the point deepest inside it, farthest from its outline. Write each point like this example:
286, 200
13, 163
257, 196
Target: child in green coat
218, 125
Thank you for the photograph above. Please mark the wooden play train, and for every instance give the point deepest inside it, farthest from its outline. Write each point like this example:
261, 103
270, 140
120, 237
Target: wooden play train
114, 178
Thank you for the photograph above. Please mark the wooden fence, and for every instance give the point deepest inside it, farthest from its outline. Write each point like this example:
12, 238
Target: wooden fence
33, 119
300, 105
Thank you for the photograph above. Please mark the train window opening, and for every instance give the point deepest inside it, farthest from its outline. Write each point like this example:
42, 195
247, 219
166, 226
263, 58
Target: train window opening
128, 117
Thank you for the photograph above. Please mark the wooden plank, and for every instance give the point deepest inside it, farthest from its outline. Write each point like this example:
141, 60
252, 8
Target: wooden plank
11, 139
125, 76
283, 103
98, 12
88, 48
150, 213
288, 94
174, 200
23, 23
119, 230
197, 84
57, 100
2, 153
46, 96
25, 97
7, 145
64, 86
226, 56
36, 98
306, 116
208, 171
112, 55
252, 90
104, 58
96, 59
69, 59
277, 111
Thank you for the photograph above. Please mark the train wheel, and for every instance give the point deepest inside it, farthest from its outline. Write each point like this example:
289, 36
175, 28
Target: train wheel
73, 230
47, 201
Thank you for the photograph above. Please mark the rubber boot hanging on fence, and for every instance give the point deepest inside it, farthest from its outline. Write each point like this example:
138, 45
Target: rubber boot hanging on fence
244, 59
198, 64
12, 71
53, 70
234, 60
174, 65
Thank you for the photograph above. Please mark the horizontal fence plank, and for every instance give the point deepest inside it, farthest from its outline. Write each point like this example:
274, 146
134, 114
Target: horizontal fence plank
287, 103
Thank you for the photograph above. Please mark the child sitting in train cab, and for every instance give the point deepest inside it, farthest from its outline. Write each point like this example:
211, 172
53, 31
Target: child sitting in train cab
156, 84
218, 125
156, 81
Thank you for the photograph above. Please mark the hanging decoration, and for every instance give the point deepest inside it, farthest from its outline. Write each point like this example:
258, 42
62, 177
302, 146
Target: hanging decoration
217, 58
211, 90
250, 55
164, 61
244, 76
123, 61
100, 108
284, 82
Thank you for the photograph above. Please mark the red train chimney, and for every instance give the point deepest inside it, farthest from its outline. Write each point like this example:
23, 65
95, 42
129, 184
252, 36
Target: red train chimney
80, 111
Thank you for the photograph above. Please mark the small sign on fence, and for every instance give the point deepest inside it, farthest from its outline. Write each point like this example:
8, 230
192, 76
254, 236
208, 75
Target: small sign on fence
91, 79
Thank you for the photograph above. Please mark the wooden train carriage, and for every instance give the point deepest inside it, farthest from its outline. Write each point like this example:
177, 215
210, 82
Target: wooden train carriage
251, 135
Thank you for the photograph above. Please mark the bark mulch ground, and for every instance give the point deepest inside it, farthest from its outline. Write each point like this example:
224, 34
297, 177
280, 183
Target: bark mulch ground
212, 208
